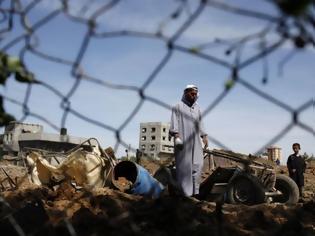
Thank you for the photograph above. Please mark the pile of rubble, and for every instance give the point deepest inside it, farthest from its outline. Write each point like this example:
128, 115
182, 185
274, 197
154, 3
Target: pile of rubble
73, 197
106, 211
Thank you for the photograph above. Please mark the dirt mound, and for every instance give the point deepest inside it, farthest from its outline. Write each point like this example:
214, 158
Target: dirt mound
111, 212
65, 210
12, 176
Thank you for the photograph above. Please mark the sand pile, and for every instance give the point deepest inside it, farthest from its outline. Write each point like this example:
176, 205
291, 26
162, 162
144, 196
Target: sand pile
64, 210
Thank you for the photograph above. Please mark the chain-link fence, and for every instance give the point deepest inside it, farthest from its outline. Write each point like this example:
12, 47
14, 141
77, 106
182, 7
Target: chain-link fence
24, 34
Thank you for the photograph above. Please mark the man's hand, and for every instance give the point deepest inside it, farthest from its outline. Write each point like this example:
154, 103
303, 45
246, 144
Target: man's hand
178, 143
205, 141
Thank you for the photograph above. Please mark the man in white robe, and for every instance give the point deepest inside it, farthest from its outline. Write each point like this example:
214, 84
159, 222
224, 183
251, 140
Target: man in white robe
186, 125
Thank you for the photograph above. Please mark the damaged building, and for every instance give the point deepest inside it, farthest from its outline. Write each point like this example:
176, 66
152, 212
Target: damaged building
19, 135
154, 141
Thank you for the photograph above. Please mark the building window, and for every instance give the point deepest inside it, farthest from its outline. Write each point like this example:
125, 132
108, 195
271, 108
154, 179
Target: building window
143, 146
164, 138
144, 130
153, 129
143, 138
152, 137
152, 147
164, 130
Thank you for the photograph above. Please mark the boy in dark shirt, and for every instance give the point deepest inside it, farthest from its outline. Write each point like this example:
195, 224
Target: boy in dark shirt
296, 167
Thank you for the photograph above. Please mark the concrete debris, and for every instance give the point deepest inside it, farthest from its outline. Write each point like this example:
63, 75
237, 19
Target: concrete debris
88, 169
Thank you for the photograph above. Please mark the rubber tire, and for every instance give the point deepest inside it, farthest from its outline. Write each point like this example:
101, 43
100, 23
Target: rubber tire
163, 175
254, 190
166, 176
288, 188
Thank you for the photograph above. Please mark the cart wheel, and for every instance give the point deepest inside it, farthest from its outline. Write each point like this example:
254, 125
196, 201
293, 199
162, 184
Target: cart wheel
163, 175
245, 189
288, 188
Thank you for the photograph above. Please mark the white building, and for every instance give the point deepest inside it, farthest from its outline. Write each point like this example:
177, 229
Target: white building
274, 153
154, 141
14, 130
18, 135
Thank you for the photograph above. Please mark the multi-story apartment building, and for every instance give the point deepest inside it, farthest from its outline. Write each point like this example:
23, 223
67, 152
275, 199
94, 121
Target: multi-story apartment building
154, 141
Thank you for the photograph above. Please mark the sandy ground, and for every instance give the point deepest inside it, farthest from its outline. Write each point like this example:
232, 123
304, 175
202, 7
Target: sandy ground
66, 211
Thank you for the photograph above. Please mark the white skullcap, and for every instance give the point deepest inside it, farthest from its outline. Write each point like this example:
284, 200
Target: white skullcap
191, 86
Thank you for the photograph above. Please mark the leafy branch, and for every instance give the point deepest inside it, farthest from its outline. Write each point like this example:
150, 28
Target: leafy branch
12, 66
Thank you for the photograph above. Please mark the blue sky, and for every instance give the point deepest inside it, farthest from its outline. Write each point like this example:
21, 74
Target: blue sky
243, 121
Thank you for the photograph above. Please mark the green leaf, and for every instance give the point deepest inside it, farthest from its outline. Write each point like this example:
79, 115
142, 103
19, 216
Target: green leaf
24, 76
14, 64
1, 105
4, 75
11, 64
5, 119
194, 50
294, 8
229, 84
3, 59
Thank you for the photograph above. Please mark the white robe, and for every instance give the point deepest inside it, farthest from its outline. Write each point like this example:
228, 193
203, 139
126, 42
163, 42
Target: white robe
186, 121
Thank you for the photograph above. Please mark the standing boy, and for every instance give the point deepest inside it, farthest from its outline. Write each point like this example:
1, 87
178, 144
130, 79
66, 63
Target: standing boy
296, 167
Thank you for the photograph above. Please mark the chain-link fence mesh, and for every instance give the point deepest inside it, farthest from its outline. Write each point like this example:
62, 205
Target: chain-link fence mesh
291, 22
